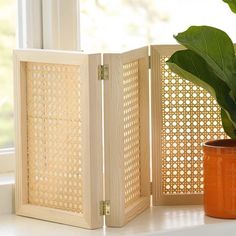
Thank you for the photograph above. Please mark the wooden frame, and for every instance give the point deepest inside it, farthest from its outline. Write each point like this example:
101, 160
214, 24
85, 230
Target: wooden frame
91, 103
158, 197
114, 137
198, 117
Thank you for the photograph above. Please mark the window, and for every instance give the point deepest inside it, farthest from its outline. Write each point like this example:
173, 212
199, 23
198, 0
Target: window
120, 25
106, 26
7, 43
35, 18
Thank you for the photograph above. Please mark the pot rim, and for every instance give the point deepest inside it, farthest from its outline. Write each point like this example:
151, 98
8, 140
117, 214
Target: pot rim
220, 144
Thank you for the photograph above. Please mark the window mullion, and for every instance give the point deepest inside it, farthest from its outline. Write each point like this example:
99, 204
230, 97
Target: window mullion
30, 33
61, 24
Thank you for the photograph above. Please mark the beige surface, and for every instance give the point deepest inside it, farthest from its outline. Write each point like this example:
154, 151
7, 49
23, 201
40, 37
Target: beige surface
131, 133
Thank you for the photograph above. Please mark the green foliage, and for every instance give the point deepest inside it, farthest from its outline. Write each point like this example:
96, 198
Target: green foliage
210, 62
216, 48
227, 125
232, 4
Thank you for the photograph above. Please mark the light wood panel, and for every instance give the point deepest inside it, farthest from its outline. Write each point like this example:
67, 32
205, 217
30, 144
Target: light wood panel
58, 114
183, 117
126, 118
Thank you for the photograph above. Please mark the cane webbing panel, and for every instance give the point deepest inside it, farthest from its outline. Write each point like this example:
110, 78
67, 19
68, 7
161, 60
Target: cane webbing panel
189, 117
54, 136
131, 132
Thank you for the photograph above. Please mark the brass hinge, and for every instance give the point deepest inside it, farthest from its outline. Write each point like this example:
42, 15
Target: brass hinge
103, 72
150, 188
105, 208
149, 62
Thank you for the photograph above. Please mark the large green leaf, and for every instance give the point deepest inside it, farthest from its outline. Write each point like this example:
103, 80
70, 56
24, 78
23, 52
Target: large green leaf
192, 67
232, 4
228, 125
216, 48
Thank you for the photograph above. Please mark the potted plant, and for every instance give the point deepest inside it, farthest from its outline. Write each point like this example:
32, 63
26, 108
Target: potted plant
209, 61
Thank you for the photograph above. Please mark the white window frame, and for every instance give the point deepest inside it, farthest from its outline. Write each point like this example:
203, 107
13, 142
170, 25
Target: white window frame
61, 21
7, 160
44, 24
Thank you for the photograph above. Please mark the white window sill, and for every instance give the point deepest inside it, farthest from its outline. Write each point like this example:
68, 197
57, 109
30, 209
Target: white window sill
7, 160
7, 183
174, 221
7, 178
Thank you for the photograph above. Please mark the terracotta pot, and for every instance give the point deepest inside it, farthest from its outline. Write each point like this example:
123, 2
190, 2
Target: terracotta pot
220, 178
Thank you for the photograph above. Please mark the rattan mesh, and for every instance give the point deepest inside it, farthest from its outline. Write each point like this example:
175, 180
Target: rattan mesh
54, 136
131, 132
190, 117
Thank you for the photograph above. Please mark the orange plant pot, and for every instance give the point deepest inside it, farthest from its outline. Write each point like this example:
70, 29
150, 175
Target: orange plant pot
220, 178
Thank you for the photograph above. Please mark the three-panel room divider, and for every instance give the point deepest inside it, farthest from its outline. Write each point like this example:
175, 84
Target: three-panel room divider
83, 135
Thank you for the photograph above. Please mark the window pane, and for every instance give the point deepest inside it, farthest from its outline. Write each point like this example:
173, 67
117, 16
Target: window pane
119, 25
7, 43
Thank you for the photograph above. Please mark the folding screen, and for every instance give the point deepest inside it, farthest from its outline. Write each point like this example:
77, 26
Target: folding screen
59, 137
127, 171
183, 117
